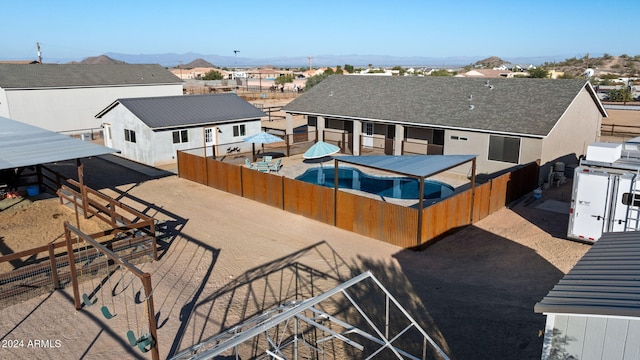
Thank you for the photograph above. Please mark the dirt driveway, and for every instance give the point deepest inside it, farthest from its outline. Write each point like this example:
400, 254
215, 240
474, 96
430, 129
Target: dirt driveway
227, 258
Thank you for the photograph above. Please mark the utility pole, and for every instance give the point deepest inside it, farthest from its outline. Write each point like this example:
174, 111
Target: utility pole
310, 58
39, 53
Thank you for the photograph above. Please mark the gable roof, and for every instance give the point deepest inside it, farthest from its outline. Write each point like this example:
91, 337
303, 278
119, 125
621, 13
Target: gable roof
20, 76
605, 281
27, 145
514, 106
188, 110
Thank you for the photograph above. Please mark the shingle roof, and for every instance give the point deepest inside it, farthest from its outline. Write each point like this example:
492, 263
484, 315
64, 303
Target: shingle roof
27, 145
19, 76
606, 281
188, 110
517, 106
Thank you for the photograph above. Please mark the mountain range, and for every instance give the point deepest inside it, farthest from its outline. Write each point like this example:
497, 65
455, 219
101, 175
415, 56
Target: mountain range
174, 60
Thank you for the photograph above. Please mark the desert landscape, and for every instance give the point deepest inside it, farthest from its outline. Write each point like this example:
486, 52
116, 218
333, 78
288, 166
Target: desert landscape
227, 258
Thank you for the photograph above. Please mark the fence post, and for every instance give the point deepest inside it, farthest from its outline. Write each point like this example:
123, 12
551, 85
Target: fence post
146, 282
72, 266
54, 267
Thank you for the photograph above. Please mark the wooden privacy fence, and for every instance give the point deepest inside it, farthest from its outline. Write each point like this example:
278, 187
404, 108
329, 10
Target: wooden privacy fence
391, 223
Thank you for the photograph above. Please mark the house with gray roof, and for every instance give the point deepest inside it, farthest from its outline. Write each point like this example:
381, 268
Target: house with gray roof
66, 97
505, 122
151, 130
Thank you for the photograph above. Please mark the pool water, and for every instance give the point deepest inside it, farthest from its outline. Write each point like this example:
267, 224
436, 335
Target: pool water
391, 187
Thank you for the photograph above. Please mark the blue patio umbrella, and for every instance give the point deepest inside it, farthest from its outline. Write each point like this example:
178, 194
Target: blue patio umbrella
320, 150
261, 138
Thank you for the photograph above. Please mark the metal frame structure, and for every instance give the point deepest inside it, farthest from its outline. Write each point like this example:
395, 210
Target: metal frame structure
290, 326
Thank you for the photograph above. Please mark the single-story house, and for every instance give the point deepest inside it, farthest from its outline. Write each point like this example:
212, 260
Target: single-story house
505, 122
66, 97
150, 130
594, 310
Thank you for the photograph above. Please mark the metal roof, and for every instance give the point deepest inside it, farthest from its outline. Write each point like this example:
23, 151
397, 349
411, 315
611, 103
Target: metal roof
35, 76
188, 110
606, 281
410, 165
530, 107
26, 145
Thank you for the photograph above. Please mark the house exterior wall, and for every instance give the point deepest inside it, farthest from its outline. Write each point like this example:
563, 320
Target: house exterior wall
72, 109
457, 142
591, 337
576, 129
156, 148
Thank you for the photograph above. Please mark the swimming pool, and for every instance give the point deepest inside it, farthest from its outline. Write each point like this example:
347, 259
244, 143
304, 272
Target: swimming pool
392, 187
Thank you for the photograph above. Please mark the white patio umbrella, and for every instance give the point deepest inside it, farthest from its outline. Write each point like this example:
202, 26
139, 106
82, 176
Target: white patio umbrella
261, 138
320, 150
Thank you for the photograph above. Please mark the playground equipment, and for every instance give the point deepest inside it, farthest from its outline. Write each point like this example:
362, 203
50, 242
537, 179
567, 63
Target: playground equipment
147, 341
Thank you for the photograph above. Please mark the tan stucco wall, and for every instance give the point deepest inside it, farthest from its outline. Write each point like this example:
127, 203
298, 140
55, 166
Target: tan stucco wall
478, 144
577, 128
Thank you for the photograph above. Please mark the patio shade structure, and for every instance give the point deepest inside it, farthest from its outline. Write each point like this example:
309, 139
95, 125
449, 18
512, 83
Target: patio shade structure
320, 150
415, 166
261, 138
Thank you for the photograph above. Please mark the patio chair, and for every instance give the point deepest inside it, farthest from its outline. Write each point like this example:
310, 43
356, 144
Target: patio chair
275, 166
249, 164
262, 166
267, 158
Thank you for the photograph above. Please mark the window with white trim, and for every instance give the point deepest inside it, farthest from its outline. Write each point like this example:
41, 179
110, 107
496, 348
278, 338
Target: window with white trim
129, 135
239, 130
208, 135
180, 136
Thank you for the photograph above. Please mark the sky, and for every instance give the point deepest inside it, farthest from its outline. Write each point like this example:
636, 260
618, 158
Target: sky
74, 30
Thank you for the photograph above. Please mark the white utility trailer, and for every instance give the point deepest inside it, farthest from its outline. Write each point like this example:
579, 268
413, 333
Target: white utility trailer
605, 196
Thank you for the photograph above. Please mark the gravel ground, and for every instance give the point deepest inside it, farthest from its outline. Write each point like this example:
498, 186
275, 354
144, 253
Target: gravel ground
228, 258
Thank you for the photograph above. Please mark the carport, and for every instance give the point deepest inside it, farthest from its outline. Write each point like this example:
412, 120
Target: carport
415, 166
23, 145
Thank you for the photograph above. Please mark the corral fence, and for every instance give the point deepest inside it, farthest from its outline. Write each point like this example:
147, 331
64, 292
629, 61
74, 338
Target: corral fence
45, 268
391, 223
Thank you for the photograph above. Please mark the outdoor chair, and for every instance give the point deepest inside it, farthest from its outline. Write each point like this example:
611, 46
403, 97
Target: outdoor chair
262, 166
249, 164
275, 166
267, 158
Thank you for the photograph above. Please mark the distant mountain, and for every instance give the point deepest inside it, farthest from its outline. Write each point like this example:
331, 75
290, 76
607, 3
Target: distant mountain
490, 62
197, 63
173, 60
102, 59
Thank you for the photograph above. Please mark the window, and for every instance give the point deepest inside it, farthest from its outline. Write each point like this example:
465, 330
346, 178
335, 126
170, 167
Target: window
631, 199
239, 130
180, 136
208, 135
455, 137
368, 129
129, 135
505, 149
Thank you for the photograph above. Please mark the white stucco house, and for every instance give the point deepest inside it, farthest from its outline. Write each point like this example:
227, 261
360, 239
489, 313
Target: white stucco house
506, 122
150, 130
66, 97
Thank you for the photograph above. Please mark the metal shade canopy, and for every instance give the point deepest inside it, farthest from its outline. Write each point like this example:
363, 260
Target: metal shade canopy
320, 150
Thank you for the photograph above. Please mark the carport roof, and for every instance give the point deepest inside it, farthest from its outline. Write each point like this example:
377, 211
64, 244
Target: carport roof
410, 165
27, 145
